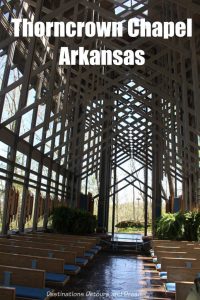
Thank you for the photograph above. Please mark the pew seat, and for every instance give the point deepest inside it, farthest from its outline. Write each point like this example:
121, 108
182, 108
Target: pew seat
158, 267
56, 278
163, 275
89, 255
31, 293
170, 287
71, 269
81, 261
94, 251
155, 260
98, 247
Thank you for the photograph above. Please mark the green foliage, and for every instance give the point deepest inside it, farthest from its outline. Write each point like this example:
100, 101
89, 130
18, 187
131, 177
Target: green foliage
169, 226
192, 226
179, 226
73, 221
129, 224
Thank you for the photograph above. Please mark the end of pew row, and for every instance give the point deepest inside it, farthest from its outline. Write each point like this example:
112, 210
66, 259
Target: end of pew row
182, 289
7, 293
28, 283
181, 278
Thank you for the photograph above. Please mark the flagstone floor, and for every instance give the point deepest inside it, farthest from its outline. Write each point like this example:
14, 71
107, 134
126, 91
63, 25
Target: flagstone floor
115, 276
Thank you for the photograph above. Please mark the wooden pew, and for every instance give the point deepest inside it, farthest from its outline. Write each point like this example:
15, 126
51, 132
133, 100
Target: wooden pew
182, 289
160, 254
69, 257
181, 261
169, 249
155, 243
93, 242
7, 293
89, 246
184, 248
175, 274
159, 250
96, 240
193, 253
177, 246
24, 276
80, 259
28, 279
68, 242
43, 245
54, 267
187, 263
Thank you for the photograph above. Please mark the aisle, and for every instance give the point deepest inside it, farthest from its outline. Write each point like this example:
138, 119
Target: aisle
110, 277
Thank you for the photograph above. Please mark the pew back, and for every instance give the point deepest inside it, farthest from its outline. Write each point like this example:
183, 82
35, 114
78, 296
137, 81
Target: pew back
155, 243
68, 257
26, 261
43, 245
188, 263
175, 274
184, 248
60, 241
24, 276
191, 254
59, 235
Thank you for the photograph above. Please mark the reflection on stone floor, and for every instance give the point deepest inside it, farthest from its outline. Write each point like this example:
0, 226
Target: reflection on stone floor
113, 276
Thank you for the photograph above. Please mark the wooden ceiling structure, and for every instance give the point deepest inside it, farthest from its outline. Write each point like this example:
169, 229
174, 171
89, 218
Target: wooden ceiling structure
97, 118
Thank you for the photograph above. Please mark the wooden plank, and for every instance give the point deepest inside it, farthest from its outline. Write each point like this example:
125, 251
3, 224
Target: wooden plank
26, 261
183, 289
155, 243
175, 274
7, 293
187, 263
192, 253
24, 276
65, 236
184, 248
45, 245
60, 241
67, 256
